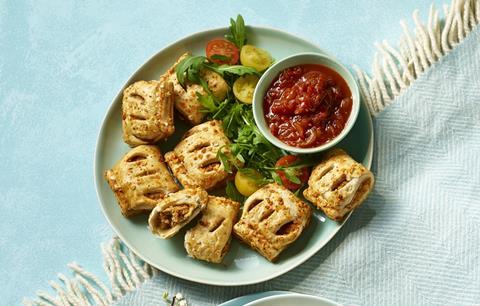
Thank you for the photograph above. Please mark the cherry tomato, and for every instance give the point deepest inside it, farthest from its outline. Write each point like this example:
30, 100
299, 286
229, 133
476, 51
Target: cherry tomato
244, 87
254, 57
222, 47
303, 173
246, 184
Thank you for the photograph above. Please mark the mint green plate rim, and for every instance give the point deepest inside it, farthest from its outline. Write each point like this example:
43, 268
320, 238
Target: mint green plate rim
241, 266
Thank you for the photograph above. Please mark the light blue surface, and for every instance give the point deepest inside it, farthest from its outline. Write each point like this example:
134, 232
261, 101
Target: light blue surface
62, 62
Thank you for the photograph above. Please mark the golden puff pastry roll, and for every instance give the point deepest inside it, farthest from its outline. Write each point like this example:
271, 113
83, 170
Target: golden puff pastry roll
186, 100
147, 112
176, 210
194, 160
140, 179
272, 219
210, 239
338, 185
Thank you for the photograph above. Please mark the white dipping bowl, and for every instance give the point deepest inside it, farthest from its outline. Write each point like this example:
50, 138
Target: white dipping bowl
295, 60
295, 299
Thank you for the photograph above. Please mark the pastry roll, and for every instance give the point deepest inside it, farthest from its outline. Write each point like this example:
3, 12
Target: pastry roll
194, 160
147, 112
338, 185
186, 100
210, 239
176, 210
272, 219
140, 179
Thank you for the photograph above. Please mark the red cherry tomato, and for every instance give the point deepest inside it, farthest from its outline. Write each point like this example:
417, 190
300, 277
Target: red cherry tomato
222, 47
303, 173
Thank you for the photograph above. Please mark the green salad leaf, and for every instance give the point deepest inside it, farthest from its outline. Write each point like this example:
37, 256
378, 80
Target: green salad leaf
233, 193
237, 33
222, 58
189, 69
276, 178
253, 174
208, 103
235, 69
251, 152
291, 175
225, 160
250, 149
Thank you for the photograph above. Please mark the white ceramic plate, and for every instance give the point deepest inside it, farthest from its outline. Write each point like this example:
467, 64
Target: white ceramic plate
241, 266
292, 299
242, 300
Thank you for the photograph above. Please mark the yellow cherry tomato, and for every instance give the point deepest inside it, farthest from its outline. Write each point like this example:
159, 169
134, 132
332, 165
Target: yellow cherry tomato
254, 57
246, 184
244, 87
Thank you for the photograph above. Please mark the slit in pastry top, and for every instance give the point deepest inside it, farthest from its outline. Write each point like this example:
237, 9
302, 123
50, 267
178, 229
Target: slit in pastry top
210, 238
338, 184
147, 112
272, 219
194, 160
140, 179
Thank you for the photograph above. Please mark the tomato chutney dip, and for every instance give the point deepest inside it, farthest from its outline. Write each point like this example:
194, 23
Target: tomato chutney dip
307, 105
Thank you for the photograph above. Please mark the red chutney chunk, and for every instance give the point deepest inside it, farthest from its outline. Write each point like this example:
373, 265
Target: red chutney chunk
307, 105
